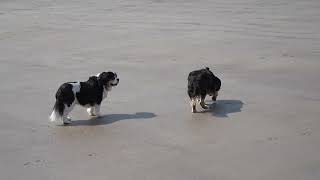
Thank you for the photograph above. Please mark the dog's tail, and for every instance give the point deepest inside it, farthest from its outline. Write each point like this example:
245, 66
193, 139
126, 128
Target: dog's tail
57, 112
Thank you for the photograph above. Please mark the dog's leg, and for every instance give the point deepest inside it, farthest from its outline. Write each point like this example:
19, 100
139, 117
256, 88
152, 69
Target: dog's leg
94, 110
97, 110
65, 118
193, 105
90, 111
202, 103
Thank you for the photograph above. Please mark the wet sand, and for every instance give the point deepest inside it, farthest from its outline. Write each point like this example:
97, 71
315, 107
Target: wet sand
264, 126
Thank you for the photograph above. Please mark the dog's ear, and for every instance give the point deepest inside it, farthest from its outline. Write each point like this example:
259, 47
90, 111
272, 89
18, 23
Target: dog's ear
207, 68
100, 75
103, 78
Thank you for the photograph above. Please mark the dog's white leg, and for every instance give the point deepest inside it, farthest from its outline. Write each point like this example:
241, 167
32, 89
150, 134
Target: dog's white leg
94, 111
198, 100
97, 110
193, 105
90, 111
67, 110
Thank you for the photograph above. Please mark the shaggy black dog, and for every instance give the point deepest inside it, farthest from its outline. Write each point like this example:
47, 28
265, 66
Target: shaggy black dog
201, 83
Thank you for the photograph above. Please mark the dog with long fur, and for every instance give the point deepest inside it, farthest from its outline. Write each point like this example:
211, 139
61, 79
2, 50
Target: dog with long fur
88, 94
200, 84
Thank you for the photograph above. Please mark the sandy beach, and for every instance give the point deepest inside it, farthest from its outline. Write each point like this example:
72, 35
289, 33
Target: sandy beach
265, 124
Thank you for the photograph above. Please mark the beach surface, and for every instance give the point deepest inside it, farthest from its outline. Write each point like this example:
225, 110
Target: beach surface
265, 124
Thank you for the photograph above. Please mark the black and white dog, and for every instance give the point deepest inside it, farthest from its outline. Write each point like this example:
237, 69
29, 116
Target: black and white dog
88, 94
201, 83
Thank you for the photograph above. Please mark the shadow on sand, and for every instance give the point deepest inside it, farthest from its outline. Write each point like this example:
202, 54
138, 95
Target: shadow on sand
111, 118
222, 108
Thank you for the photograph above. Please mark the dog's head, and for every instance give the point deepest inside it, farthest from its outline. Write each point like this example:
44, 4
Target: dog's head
108, 79
215, 84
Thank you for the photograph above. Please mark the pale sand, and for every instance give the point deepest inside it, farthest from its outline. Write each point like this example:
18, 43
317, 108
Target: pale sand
266, 124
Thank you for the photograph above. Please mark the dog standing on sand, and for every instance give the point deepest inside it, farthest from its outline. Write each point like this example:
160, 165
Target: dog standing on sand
201, 83
88, 94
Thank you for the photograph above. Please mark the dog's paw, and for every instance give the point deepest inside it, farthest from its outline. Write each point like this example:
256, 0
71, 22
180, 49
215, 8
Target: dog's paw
66, 122
94, 114
204, 106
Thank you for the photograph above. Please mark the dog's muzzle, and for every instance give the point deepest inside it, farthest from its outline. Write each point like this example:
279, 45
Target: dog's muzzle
114, 84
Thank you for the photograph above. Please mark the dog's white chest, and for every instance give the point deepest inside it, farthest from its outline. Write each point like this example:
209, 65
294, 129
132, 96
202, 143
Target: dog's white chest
105, 94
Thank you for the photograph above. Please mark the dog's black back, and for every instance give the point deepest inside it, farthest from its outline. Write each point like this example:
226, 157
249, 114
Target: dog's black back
91, 92
202, 82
